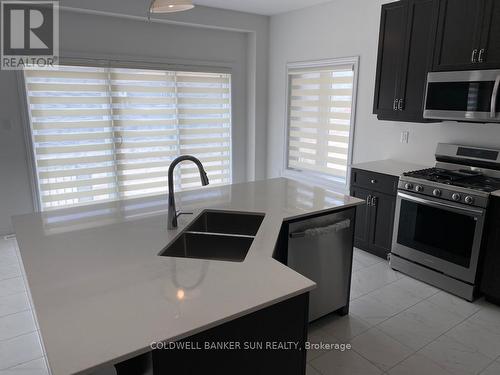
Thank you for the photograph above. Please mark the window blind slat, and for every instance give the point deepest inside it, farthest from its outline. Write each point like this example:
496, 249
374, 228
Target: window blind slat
104, 133
75, 172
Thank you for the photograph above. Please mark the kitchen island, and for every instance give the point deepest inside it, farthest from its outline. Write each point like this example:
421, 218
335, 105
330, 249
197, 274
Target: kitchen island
102, 295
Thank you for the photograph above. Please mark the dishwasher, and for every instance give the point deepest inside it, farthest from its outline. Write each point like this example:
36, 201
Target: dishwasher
321, 249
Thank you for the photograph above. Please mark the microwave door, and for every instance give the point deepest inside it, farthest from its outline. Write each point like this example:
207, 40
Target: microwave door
463, 96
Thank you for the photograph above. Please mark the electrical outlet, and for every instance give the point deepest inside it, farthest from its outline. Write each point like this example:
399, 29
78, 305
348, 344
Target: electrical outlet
404, 136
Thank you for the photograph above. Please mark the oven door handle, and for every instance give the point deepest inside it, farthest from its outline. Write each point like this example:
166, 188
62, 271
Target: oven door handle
449, 207
494, 97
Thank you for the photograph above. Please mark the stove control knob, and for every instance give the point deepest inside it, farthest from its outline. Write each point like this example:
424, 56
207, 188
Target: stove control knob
436, 193
469, 199
419, 188
456, 197
408, 186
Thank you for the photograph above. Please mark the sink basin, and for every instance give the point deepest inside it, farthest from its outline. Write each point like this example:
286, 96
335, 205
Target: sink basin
209, 246
212, 221
216, 235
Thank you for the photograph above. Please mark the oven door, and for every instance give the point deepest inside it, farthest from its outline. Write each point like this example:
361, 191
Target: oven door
438, 234
463, 96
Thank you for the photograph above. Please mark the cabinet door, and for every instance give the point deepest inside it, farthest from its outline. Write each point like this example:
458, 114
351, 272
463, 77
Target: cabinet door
458, 34
490, 39
382, 223
421, 34
390, 52
362, 229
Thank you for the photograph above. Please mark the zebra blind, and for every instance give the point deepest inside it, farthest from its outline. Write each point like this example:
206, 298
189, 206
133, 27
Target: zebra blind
319, 119
101, 134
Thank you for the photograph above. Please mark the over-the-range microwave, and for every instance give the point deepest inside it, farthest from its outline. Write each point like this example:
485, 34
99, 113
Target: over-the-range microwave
463, 96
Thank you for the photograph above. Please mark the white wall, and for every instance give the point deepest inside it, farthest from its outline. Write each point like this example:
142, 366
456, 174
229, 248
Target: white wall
207, 36
348, 28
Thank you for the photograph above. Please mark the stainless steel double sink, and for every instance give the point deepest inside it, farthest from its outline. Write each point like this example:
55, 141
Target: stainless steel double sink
216, 235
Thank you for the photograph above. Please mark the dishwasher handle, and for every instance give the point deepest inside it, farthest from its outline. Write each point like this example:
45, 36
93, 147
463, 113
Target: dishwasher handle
314, 232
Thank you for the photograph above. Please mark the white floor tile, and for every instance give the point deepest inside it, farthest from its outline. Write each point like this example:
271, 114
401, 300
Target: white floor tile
366, 259
481, 331
416, 287
371, 309
493, 369
19, 350
35, 364
356, 293
344, 328
395, 297
457, 305
418, 364
16, 325
317, 336
344, 363
24, 371
455, 357
380, 349
13, 304
357, 265
420, 324
10, 271
36, 367
12, 286
374, 277
7, 246
8, 258
311, 370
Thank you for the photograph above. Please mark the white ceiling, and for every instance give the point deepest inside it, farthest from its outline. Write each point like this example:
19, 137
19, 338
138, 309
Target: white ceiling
264, 7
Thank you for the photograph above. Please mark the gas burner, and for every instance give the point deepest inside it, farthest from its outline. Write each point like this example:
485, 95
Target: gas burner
442, 175
462, 178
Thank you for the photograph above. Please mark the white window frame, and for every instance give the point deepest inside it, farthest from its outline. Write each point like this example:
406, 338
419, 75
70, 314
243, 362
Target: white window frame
115, 61
310, 176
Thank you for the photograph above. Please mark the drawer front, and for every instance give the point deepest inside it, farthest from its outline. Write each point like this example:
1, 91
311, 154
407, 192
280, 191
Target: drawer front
374, 181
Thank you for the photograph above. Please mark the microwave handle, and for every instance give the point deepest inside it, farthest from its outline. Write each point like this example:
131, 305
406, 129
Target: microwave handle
494, 97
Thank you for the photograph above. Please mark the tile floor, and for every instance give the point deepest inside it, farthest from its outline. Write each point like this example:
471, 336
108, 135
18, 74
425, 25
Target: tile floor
400, 326
397, 326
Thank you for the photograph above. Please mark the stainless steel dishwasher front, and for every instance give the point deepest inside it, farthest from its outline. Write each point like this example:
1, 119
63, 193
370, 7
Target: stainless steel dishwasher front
321, 249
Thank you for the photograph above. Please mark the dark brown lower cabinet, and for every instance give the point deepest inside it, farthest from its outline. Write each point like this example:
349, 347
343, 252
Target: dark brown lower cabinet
268, 341
374, 220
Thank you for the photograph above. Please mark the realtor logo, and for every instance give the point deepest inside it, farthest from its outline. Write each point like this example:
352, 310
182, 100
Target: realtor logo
30, 34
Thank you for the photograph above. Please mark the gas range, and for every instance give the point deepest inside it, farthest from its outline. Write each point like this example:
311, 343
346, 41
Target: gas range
440, 218
470, 187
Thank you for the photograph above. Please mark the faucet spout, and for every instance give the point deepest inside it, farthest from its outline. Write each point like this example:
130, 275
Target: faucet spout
172, 212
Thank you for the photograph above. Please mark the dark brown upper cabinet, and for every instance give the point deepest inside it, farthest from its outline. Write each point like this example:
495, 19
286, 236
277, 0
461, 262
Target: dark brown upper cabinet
490, 36
468, 36
406, 44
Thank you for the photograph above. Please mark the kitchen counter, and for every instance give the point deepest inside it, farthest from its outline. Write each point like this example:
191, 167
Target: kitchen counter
101, 293
388, 166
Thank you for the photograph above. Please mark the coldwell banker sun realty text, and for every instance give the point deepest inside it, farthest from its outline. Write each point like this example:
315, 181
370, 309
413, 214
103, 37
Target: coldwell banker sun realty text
30, 34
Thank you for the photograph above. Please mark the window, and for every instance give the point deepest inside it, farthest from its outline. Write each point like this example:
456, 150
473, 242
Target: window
320, 118
101, 134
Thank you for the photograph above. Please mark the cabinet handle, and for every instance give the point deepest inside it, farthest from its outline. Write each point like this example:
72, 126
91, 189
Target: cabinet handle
395, 105
374, 202
400, 104
474, 56
481, 55
373, 181
368, 200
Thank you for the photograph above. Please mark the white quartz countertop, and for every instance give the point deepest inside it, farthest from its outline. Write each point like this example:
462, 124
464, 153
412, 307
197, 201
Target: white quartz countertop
390, 167
101, 293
